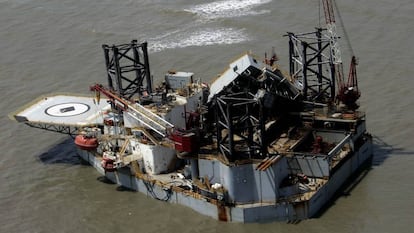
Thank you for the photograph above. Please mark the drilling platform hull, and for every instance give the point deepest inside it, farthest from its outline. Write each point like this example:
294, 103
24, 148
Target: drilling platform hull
291, 209
255, 145
262, 154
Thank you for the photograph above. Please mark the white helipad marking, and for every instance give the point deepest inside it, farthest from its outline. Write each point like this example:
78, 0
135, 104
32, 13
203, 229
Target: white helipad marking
67, 109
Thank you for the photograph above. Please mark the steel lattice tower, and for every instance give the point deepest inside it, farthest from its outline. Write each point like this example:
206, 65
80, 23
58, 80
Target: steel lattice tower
312, 66
128, 69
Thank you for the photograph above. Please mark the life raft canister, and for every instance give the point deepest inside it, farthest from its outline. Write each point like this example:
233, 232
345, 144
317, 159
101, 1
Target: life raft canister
86, 143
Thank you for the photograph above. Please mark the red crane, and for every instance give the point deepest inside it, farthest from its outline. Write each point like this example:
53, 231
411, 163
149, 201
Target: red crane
348, 92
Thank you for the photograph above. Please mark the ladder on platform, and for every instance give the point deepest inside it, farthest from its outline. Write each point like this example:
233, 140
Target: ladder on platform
149, 119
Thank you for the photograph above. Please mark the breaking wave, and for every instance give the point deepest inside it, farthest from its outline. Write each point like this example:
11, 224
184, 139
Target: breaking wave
228, 8
209, 36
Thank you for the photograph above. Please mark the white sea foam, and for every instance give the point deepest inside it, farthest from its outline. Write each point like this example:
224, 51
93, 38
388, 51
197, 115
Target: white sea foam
228, 8
186, 36
201, 37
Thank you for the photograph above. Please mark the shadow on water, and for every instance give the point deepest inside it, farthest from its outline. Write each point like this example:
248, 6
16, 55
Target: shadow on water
120, 188
105, 180
382, 151
64, 152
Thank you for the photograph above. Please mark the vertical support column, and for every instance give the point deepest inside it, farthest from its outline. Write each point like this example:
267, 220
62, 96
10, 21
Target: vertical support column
138, 72
118, 70
333, 72
319, 58
230, 130
305, 69
263, 144
147, 67
108, 66
291, 54
249, 131
217, 120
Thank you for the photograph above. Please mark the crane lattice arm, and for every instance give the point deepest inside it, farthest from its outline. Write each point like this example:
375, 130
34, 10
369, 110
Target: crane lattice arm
348, 93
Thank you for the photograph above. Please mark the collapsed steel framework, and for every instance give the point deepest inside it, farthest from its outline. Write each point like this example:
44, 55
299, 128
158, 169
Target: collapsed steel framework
241, 117
240, 132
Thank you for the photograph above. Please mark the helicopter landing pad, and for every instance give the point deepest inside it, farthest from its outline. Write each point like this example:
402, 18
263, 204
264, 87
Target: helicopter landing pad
64, 110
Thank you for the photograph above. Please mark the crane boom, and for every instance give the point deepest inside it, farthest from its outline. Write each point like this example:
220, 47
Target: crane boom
332, 34
329, 12
348, 93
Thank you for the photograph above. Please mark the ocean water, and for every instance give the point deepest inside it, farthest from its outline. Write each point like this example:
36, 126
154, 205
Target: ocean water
55, 46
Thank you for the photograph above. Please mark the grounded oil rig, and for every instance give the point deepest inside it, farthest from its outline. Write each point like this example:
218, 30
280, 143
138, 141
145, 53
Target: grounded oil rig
256, 145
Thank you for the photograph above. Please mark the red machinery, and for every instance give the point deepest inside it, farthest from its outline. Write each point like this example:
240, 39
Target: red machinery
348, 93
